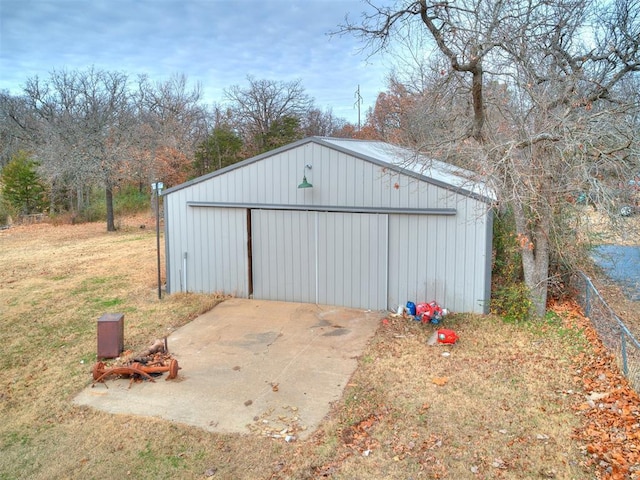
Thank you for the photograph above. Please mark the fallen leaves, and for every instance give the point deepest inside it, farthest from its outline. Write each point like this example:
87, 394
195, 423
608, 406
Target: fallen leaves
357, 436
499, 463
440, 381
414, 427
282, 423
610, 408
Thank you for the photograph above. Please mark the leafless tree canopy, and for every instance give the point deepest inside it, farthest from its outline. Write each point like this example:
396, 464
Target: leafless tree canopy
537, 96
96, 127
263, 103
93, 127
83, 128
171, 124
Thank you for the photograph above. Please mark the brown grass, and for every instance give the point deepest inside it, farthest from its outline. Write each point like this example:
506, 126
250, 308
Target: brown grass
503, 409
498, 406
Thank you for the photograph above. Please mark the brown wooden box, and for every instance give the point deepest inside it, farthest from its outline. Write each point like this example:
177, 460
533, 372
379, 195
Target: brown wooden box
110, 335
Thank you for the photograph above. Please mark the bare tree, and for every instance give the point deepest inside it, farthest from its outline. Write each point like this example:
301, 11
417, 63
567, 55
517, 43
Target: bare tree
321, 123
171, 125
14, 125
532, 95
265, 103
83, 131
222, 147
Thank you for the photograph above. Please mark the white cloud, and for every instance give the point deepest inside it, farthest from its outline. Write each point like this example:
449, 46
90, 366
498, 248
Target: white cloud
214, 42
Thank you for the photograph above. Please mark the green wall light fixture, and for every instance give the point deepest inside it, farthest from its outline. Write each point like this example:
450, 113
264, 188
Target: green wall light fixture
305, 183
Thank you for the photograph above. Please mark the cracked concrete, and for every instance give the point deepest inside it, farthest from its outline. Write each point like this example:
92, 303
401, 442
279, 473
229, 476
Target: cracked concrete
271, 368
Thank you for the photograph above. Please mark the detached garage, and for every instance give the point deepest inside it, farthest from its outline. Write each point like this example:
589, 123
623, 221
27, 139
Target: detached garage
353, 223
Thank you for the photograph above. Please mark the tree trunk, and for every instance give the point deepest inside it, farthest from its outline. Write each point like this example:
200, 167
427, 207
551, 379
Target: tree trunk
539, 286
534, 247
79, 199
111, 227
478, 104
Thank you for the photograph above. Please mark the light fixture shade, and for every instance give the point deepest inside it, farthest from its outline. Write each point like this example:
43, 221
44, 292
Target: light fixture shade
304, 183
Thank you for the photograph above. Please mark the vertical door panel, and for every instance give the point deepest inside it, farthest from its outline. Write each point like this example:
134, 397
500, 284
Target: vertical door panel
331, 258
283, 246
352, 259
217, 257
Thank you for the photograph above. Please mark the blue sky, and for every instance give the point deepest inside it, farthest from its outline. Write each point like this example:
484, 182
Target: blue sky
214, 42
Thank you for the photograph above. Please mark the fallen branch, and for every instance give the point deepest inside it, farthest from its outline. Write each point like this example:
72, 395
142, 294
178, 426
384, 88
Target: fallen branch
159, 346
155, 360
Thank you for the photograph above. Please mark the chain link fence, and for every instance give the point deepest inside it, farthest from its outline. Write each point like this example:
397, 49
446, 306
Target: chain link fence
612, 331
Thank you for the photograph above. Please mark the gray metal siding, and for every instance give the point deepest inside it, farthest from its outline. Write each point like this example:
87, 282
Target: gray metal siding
338, 179
174, 214
218, 260
331, 258
352, 259
283, 247
215, 243
441, 257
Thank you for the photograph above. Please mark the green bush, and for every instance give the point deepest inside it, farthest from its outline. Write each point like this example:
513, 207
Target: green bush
512, 302
22, 187
130, 199
507, 264
510, 297
126, 201
6, 211
94, 212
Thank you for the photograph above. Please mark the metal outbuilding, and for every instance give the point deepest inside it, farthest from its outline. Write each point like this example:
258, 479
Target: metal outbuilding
353, 223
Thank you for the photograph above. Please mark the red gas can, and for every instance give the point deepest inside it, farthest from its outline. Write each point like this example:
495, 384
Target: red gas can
447, 336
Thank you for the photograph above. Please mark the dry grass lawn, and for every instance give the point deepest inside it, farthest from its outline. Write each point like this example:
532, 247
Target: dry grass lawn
496, 405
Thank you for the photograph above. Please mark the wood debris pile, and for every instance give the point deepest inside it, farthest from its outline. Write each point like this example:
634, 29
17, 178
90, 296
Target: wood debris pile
145, 365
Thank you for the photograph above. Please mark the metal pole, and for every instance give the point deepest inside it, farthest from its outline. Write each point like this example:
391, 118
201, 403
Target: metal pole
625, 365
158, 241
587, 299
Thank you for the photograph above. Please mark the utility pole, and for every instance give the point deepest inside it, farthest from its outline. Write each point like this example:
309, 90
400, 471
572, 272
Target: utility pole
358, 103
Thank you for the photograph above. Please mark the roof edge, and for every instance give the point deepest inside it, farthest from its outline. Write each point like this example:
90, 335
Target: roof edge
242, 163
404, 171
323, 141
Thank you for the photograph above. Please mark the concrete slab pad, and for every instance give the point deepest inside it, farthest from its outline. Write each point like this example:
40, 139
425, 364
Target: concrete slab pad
271, 368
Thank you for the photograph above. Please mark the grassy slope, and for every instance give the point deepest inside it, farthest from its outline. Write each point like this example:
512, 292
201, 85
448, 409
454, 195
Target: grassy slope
502, 411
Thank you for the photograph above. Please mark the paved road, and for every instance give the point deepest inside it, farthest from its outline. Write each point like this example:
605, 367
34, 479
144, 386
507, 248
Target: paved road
622, 265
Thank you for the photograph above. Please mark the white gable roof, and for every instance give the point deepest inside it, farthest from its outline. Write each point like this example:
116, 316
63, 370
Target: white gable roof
386, 155
414, 162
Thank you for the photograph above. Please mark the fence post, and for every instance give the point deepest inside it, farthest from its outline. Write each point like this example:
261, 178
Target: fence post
587, 300
623, 348
604, 323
